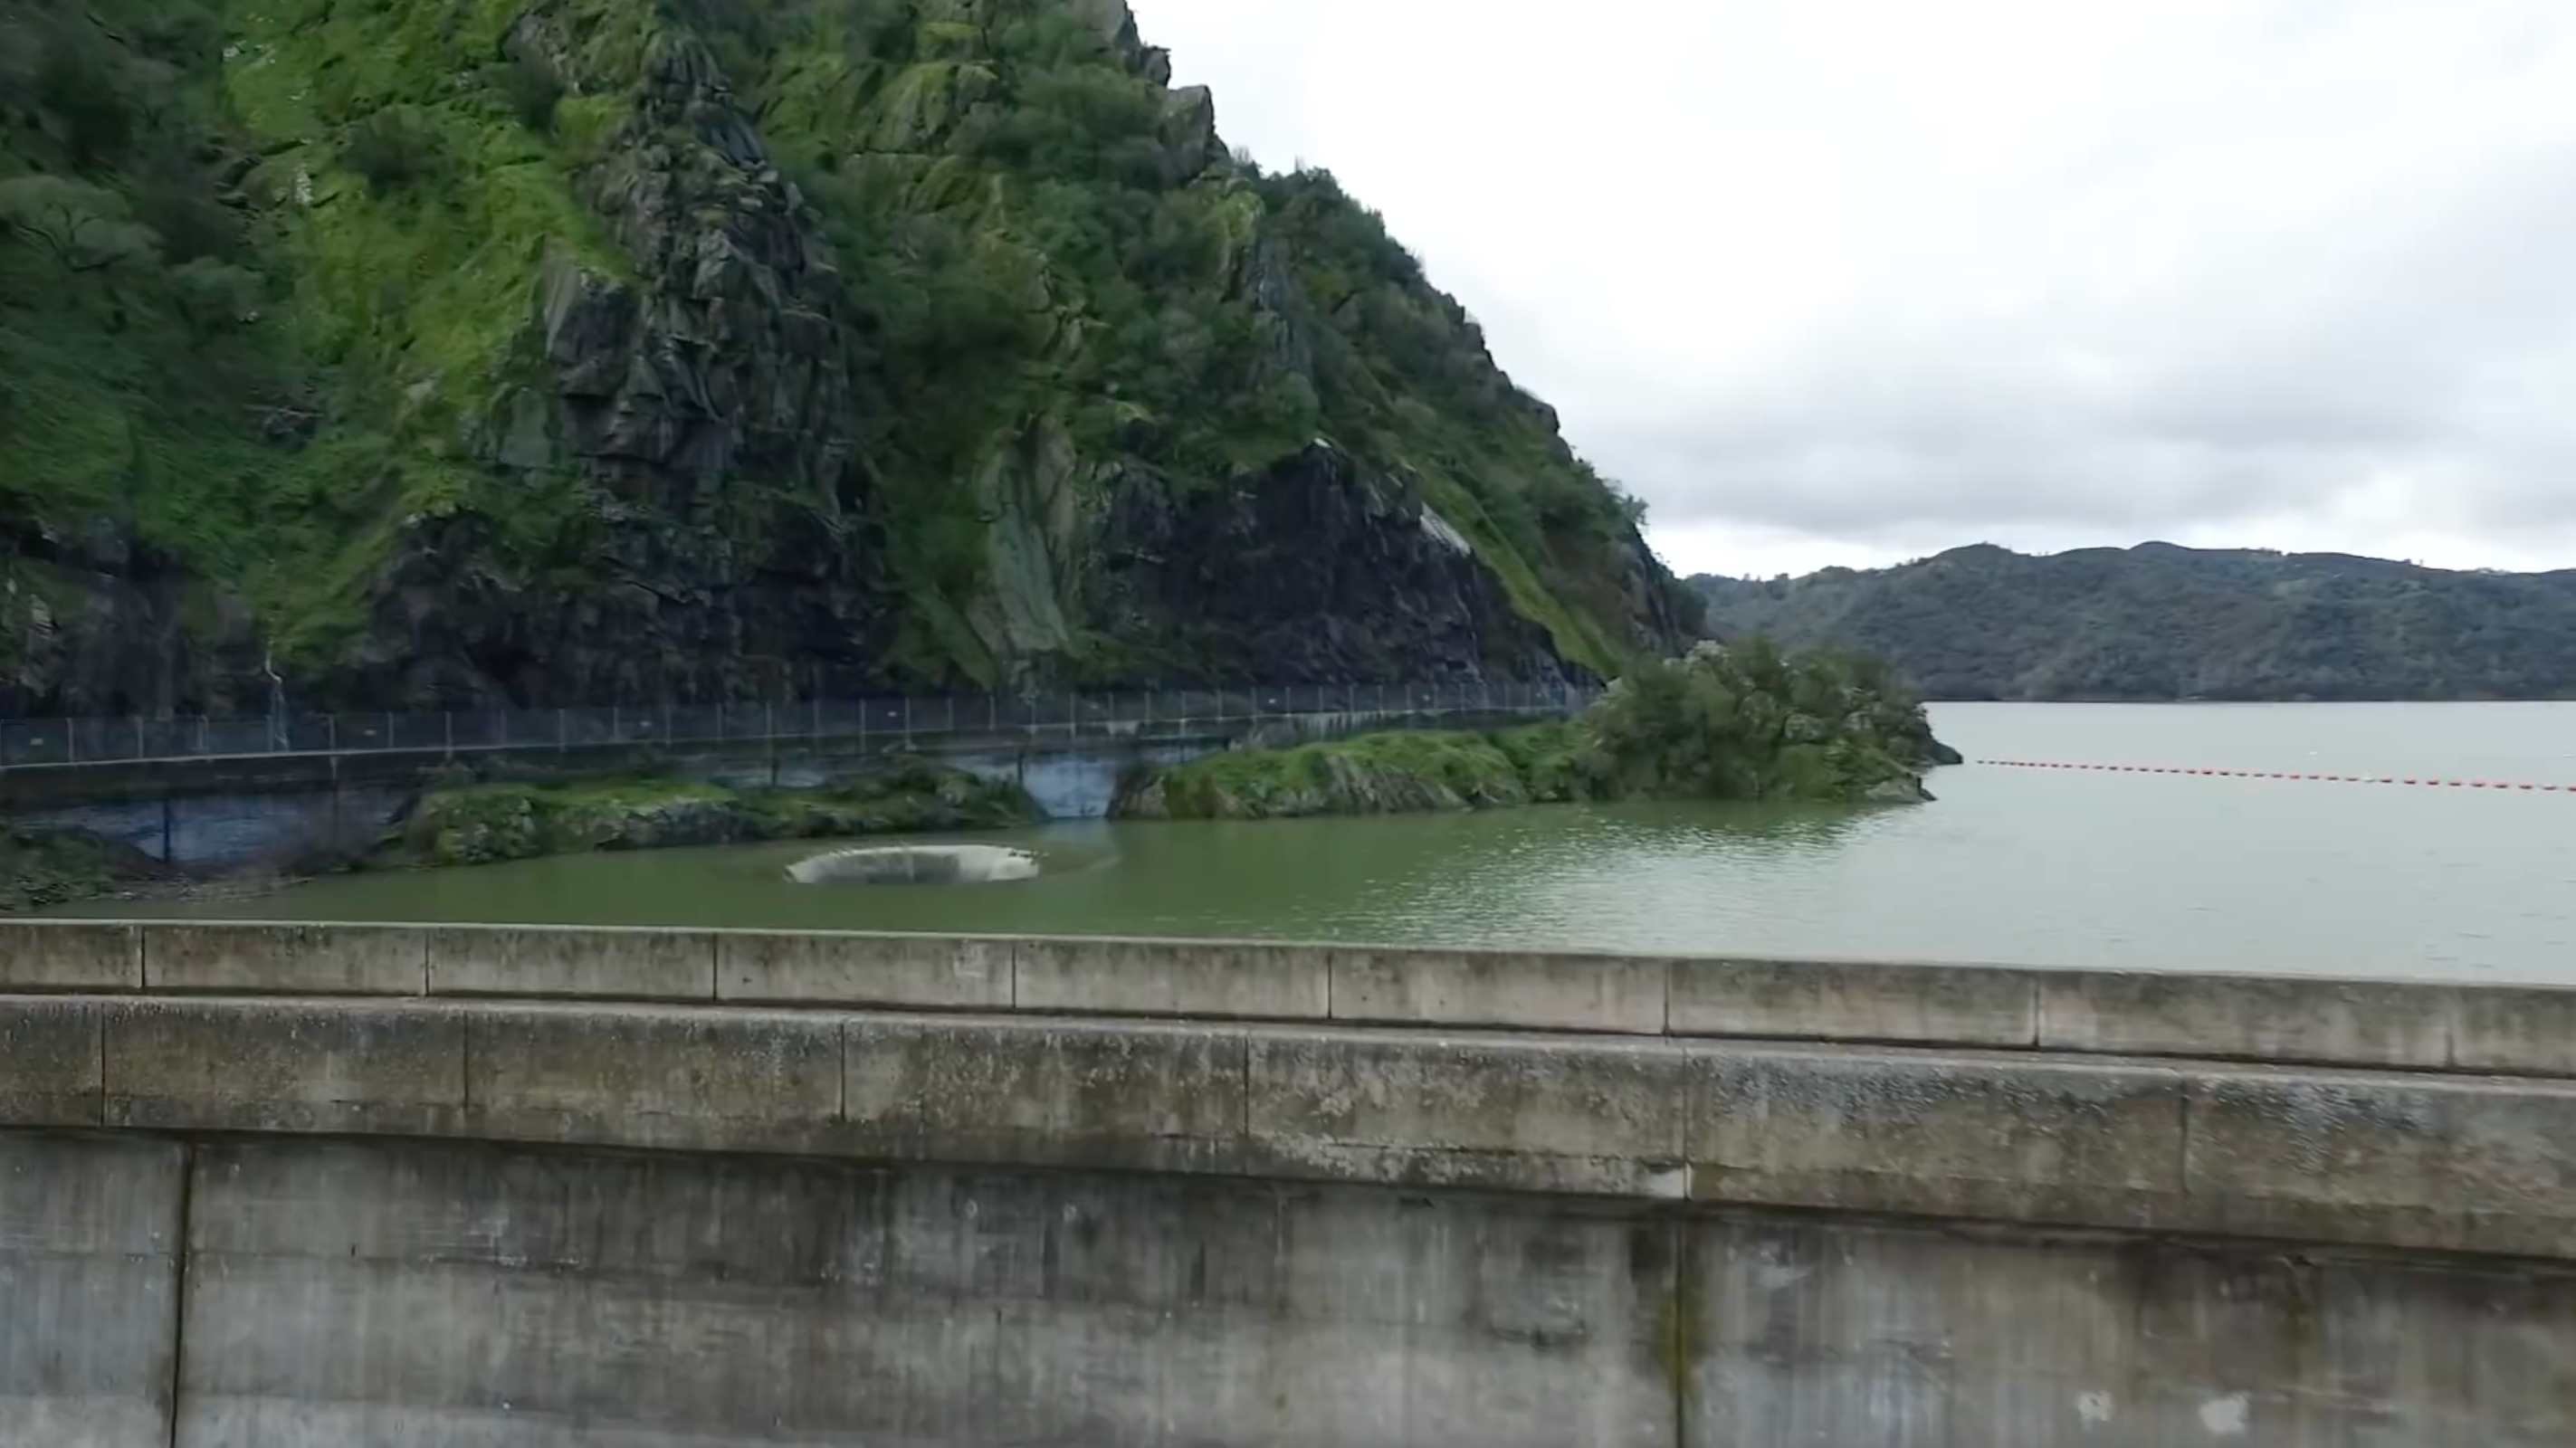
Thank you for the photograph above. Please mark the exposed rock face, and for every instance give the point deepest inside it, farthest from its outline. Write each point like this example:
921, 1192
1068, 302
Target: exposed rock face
1311, 574
99, 627
680, 478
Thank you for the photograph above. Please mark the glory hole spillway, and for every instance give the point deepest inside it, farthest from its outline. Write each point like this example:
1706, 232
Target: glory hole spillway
917, 865
301, 1185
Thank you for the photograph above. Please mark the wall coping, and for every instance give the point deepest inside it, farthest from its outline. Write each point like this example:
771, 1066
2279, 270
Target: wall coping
2415, 1025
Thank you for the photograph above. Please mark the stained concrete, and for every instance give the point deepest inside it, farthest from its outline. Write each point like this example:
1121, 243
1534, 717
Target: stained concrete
2454, 1028
1838, 1334
344, 1293
1500, 988
89, 1304
41, 955
1171, 978
357, 1295
306, 959
2395, 1159
930, 972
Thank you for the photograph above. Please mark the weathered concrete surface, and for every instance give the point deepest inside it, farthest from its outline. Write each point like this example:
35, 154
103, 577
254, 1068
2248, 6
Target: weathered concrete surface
1826, 1334
2510, 1029
1994, 1137
355, 1293
40, 955
1591, 1117
1936, 1005
2409, 1162
1489, 988
675, 965
924, 972
345, 1294
2329, 1021
2393, 1159
90, 1235
296, 1066
295, 959
51, 1054
2458, 1028
639, 1076
1046, 1093
1205, 979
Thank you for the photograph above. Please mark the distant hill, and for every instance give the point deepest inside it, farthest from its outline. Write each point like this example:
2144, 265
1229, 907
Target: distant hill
2162, 622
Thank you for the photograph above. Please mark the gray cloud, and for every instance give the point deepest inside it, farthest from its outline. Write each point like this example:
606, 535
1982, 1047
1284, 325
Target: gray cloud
1869, 279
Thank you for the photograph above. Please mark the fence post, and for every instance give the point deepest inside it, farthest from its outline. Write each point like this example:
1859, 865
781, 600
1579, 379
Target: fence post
331, 732
992, 712
447, 730
563, 729
907, 721
616, 724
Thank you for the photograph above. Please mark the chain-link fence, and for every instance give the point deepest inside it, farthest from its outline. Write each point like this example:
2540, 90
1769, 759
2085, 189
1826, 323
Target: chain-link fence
67, 743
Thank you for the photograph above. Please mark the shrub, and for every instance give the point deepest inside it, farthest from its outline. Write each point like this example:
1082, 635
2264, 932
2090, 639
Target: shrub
391, 149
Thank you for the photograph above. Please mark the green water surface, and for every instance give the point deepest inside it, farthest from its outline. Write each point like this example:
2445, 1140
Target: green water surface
2010, 866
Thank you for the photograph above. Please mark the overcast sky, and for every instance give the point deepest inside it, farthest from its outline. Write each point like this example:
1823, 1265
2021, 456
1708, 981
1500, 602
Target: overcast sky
1853, 281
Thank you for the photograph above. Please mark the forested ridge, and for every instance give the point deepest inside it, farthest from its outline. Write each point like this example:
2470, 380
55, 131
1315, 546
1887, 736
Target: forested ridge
459, 352
2161, 622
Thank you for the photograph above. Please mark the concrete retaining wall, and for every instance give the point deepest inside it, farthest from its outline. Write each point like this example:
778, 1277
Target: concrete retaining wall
295, 1186
342, 1293
2445, 1027
2410, 1160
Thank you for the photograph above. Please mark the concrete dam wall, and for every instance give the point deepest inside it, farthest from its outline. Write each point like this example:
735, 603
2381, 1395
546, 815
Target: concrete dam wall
303, 1186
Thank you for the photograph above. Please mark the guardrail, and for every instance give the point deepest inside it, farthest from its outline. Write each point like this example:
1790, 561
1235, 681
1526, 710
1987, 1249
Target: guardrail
84, 743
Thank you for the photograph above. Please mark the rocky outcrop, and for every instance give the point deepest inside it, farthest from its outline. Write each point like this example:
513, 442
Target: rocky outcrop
678, 476
490, 823
1314, 571
1375, 774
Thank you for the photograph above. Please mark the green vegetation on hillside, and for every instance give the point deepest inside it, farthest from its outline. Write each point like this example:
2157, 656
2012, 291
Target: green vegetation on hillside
487, 823
40, 871
573, 349
1746, 723
2160, 622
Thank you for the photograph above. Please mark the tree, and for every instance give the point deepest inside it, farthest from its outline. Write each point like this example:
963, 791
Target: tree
213, 298
86, 228
392, 149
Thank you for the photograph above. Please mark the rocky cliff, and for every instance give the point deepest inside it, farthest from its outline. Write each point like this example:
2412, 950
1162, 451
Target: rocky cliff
458, 352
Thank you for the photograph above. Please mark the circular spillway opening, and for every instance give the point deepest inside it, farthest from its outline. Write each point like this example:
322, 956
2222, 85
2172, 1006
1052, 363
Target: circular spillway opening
916, 865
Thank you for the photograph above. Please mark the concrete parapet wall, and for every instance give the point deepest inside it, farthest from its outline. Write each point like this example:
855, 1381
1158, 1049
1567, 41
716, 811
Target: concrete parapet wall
2414, 1026
2393, 1159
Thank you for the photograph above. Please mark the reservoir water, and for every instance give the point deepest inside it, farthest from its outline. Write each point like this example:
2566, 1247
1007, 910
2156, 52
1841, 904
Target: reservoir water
2010, 866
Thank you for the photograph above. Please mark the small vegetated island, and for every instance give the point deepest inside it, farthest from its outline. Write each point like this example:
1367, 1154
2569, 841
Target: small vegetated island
1742, 722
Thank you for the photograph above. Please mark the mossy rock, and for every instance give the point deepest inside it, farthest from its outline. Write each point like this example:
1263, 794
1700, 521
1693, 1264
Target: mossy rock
481, 824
